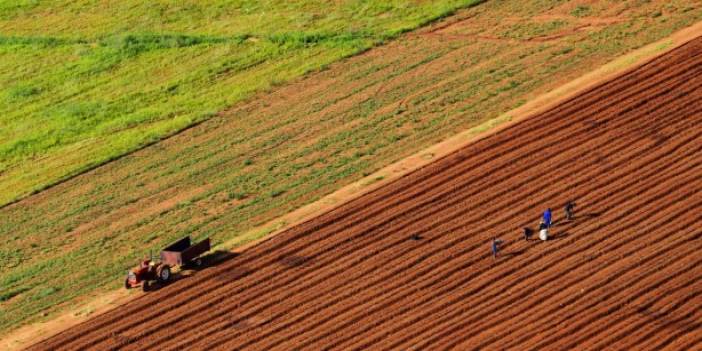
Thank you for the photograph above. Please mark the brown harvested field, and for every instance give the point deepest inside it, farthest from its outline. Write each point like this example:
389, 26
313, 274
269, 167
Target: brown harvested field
625, 274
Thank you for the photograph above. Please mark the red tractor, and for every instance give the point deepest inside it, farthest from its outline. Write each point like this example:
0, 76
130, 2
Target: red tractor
180, 253
148, 271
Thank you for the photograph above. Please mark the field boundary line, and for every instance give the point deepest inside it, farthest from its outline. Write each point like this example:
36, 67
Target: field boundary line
33, 333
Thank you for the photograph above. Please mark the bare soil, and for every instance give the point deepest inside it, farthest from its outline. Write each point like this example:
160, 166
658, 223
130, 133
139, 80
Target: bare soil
625, 274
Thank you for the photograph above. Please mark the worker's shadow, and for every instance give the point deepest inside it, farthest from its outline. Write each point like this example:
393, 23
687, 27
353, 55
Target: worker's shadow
586, 216
578, 218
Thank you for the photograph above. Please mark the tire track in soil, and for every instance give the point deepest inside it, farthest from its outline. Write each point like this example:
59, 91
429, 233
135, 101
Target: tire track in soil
348, 220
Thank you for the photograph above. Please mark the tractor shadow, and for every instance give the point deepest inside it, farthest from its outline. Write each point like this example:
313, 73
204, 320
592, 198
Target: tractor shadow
216, 257
208, 260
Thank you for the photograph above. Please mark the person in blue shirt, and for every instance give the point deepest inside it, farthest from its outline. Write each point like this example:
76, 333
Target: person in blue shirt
547, 217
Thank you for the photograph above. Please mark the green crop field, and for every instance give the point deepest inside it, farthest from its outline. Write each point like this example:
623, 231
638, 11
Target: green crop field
84, 82
111, 79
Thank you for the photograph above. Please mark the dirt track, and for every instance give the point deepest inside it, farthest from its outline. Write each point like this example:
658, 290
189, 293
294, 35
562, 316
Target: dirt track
625, 272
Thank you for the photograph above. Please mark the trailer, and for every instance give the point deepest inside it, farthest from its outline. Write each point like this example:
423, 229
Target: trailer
180, 253
183, 253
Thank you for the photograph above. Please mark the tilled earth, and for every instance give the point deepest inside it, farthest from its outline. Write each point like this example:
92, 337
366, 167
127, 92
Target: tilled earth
409, 266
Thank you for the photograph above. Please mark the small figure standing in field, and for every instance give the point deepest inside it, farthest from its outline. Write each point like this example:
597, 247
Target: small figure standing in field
527, 233
495, 246
569, 210
543, 230
547, 218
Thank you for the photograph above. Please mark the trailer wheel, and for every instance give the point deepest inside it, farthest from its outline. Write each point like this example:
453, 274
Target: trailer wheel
198, 262
164, 274
145, 285
126, 284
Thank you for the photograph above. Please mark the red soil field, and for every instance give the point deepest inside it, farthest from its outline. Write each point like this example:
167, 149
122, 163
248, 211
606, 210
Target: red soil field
625, 274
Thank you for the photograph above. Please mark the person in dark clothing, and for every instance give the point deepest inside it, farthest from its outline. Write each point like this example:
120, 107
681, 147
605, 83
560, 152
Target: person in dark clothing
569, 210
495, 246
528, 233
542, 225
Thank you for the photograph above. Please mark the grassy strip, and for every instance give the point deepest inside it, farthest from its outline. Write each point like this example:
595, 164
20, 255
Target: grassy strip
84, 97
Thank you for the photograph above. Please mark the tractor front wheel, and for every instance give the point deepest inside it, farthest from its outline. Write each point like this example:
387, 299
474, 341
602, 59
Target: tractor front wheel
126, 284
164, 274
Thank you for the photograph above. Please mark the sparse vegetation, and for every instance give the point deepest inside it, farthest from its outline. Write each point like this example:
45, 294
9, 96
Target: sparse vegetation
581, 11
90, 82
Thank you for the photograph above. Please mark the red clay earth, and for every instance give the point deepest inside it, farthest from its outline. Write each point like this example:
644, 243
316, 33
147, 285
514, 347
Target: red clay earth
624, 274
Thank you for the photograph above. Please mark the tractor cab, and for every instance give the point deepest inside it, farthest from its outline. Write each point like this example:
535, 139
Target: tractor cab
146, 271
147, 265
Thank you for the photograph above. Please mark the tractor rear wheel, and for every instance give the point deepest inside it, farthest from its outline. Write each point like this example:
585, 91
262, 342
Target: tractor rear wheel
164, 274
145, 285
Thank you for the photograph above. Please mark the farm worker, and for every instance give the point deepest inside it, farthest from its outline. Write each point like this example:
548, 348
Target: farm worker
495, 246
569, 210
547, 217
527, 233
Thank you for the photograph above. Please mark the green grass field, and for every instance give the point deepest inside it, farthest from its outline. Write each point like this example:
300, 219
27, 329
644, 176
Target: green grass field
84, 82
261, 158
